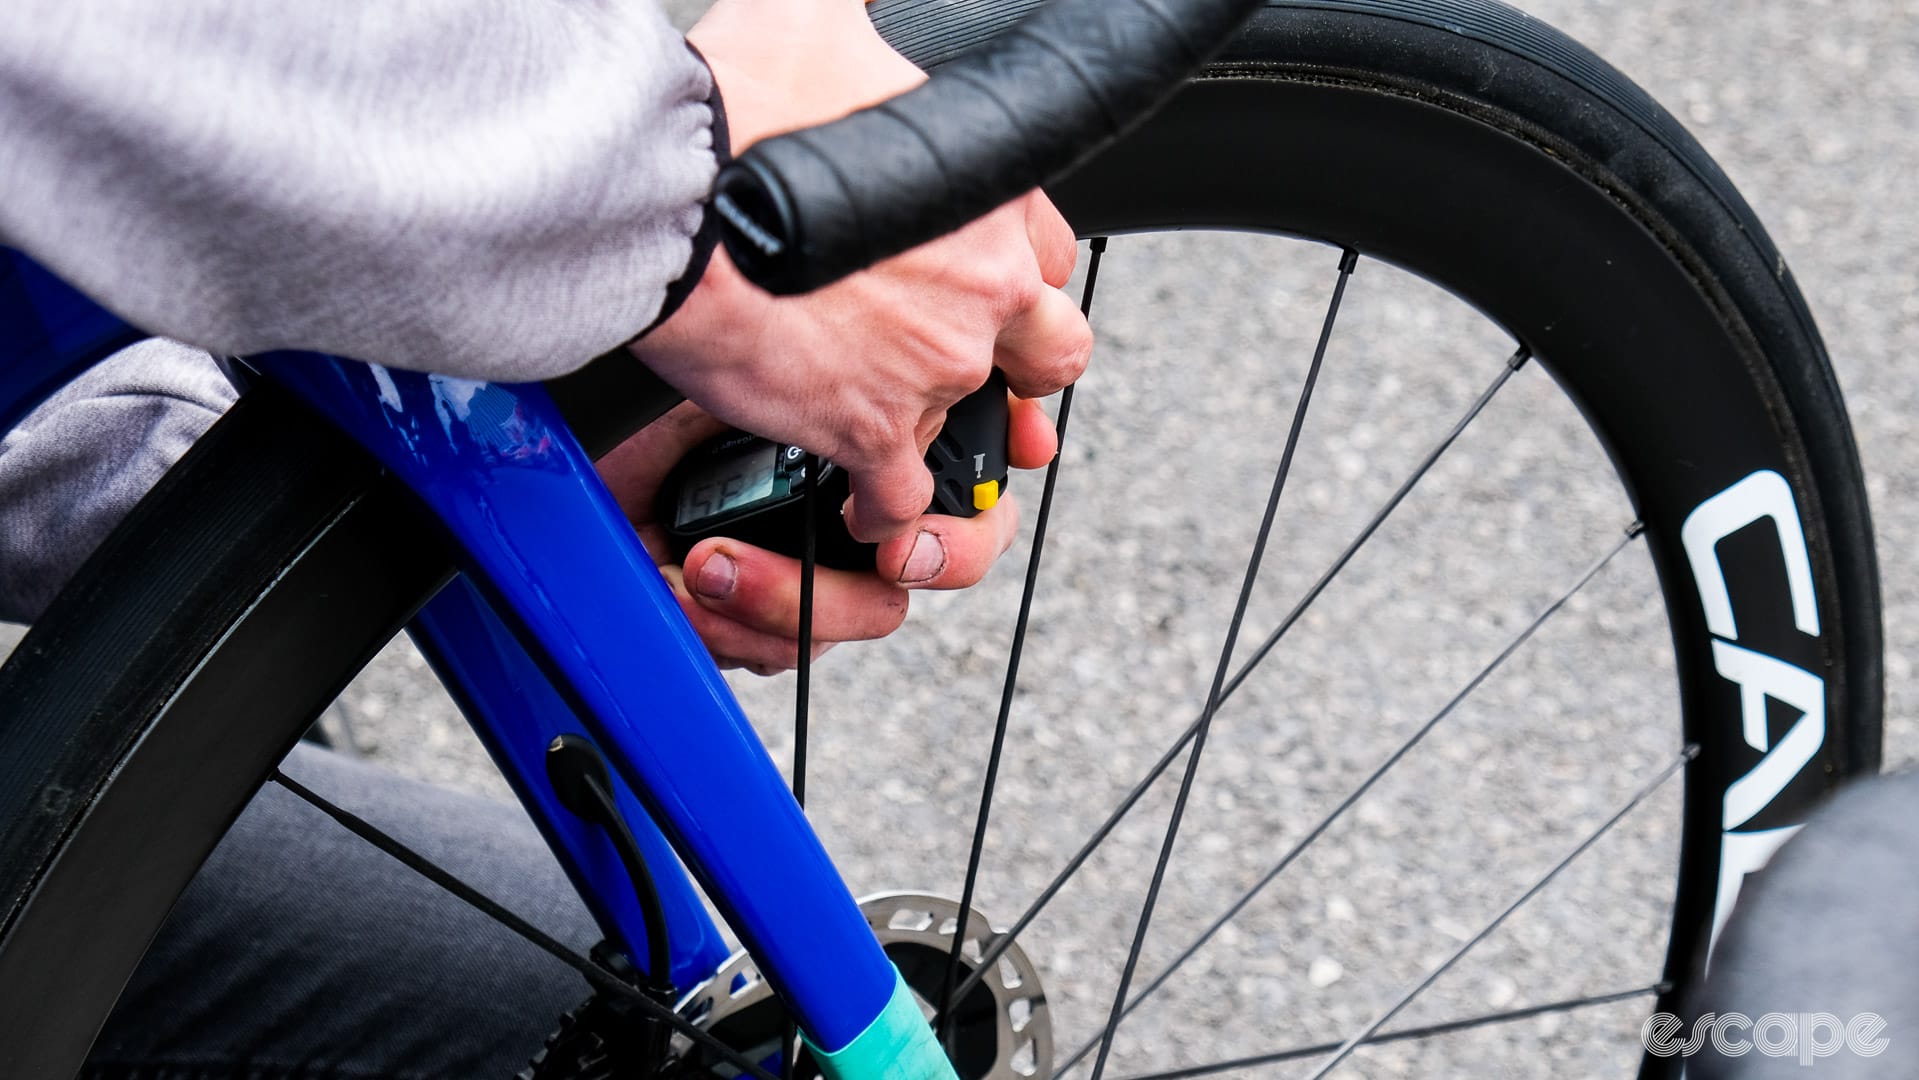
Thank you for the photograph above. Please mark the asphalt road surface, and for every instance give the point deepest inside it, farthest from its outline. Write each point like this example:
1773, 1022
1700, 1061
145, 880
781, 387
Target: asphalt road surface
1811, 107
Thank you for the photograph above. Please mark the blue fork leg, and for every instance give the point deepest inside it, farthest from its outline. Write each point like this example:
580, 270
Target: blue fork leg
517, 713
545, 542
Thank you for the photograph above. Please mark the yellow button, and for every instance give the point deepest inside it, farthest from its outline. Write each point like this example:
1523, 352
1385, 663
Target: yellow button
985, 494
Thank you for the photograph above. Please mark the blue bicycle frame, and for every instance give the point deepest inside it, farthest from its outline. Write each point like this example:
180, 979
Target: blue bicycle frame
560, 623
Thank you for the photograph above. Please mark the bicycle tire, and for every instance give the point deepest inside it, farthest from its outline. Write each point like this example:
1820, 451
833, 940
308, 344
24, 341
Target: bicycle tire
272, 562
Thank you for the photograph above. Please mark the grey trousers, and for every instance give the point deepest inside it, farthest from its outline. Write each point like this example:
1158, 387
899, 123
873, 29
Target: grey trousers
302, 951
1826, 935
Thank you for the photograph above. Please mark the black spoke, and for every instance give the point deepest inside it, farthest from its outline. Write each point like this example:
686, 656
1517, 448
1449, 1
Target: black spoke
802, 695
1427, 1031
1513, 364
1004, 940
943, 1012
1372, 778
803, 685
601, 979
1347, 262
1346, 1048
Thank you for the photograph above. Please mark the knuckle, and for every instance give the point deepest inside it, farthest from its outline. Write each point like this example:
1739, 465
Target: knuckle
1020, 288
950, 373
894, 505
1077, 351
1069, 350
916, 494
874, 433
1009, 278
958, 373
1061, 361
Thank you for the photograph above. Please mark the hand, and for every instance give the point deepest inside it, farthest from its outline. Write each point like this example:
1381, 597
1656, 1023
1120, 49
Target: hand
745, 602
862, 372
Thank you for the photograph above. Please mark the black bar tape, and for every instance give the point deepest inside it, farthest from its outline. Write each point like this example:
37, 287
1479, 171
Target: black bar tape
805, 209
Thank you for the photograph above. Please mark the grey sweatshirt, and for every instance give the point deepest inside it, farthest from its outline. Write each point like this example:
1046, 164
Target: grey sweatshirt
499, 189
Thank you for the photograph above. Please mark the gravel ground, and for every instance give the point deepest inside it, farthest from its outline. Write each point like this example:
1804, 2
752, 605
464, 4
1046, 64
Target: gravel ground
1810, 107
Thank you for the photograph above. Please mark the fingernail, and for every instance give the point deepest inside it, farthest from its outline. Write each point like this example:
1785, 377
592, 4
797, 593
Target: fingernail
717, 577
926, 561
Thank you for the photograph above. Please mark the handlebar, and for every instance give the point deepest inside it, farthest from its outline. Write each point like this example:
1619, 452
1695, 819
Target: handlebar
804, 209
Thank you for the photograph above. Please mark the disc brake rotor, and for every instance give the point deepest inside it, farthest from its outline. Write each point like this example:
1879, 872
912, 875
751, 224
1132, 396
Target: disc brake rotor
1001, 1030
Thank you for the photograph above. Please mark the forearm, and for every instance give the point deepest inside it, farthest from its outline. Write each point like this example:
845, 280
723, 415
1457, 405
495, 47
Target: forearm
493, 188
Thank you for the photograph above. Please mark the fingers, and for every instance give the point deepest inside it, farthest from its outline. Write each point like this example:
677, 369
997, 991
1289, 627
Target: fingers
956, 555
737, 646
949, 552
1031, 438
761, 590
744, 604
1052, 240
1044, 347
888, 498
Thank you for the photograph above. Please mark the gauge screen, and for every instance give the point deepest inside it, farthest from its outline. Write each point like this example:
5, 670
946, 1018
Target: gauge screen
728, 484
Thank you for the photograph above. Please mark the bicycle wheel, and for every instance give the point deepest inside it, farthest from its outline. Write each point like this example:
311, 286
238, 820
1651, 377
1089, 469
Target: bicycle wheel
1448, 139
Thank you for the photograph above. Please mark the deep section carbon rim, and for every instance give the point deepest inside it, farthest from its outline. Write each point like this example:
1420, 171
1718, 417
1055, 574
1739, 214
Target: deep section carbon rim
1498, 168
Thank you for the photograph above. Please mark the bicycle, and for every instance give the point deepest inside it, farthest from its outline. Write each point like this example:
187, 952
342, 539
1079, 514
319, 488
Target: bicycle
1521, 135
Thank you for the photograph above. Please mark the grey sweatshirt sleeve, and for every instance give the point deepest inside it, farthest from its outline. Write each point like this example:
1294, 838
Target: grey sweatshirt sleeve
79, 462
499, 189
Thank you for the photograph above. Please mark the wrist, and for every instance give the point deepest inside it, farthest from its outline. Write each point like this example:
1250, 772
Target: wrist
697, 343
706, 239
789, 66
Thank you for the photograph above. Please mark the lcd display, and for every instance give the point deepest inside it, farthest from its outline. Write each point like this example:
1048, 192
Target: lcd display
727, 485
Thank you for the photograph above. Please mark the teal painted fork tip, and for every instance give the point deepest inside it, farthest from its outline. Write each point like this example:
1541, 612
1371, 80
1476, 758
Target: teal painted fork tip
898, 1045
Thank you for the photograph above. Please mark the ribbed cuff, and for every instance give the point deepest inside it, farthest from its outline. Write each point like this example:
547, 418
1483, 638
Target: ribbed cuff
708, 237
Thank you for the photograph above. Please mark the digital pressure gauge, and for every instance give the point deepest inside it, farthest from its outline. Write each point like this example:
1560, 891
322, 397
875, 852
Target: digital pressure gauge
753, 490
